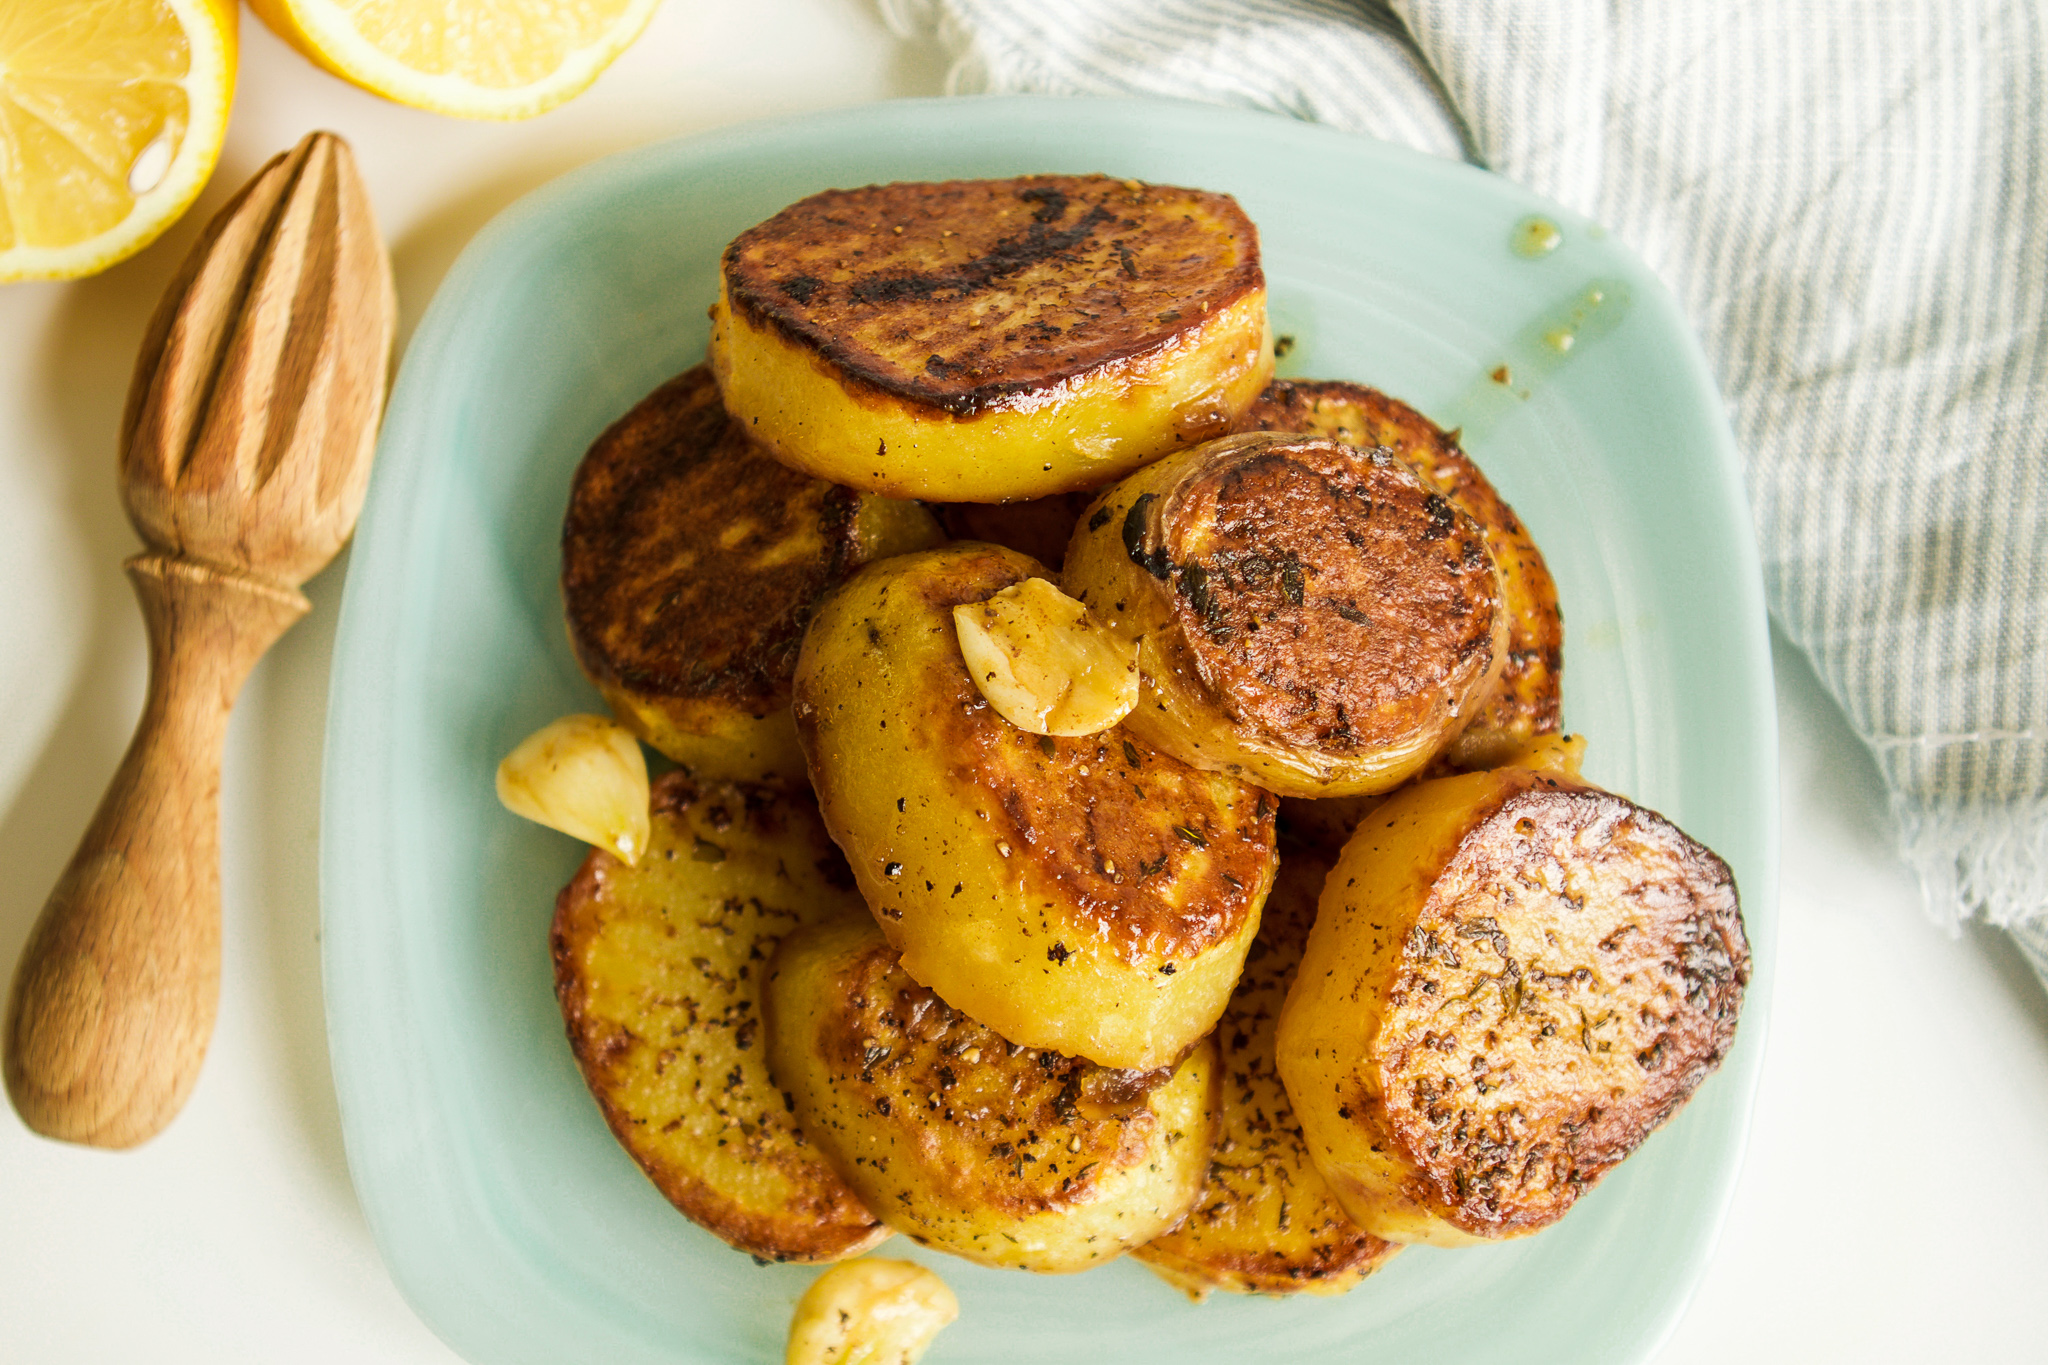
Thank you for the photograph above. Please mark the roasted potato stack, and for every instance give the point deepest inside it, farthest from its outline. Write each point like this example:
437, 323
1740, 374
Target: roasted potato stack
1266, 1222
991, 340
1512, 980
660, 970
1525, 703
690, 562
1008, 1156
1091, 895
1309, 615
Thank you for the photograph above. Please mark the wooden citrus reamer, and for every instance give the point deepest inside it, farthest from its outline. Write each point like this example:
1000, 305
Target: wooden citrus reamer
245, 451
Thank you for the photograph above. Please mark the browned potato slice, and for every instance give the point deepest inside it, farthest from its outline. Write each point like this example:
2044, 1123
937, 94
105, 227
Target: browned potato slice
1040, 528
1266, 1222
1007, 1156
1525, 703
1309, 614
660, 970
991, 340
1090, 895
1513, 978
690, 561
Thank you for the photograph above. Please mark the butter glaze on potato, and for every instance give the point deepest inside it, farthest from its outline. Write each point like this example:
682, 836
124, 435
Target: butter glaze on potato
1091, 895
1512, 980
1008, 1156
1309, 615
660, 970
1525, 701
690, 563
991, 340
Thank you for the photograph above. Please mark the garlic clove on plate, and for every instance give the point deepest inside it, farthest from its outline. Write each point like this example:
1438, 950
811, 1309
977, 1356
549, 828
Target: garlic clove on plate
1044, 663
870, 1310
585, 776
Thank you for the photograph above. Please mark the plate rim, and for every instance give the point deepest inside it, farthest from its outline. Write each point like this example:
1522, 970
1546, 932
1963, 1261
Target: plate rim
350, 690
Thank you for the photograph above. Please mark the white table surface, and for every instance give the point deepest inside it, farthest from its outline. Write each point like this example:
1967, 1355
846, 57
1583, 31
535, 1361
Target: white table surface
1894, 1201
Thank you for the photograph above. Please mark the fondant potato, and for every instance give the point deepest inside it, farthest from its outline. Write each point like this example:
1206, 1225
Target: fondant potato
690, 563
1088, 894
1525, 701
660, 969
1309, 616
1009, 1156
1513, 978
991, 340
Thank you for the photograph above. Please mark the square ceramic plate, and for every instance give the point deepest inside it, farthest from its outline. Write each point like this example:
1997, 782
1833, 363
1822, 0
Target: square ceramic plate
511, 1220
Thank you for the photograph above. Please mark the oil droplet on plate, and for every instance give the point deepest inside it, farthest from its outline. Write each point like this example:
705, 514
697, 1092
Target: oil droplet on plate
1536, 352
1534, 238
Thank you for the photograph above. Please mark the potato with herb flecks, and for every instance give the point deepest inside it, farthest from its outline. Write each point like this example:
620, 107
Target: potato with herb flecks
1266, 1222
1009, 1156
1309, 616
660, 969
1513, 978
1090, 894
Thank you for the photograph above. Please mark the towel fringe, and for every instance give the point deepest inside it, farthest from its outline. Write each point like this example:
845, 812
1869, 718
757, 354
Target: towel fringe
1982, 857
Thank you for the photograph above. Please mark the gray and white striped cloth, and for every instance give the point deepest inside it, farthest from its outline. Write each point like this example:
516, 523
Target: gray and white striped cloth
1850, 197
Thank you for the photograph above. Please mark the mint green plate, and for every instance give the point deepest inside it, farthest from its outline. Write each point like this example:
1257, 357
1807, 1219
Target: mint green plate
510, 1219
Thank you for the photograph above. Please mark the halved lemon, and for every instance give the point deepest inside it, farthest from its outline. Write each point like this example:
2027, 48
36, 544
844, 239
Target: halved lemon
111, 118
472, 58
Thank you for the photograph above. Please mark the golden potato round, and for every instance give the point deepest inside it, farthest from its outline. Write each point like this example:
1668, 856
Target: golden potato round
690, 562
1309, 615
960, 1140
1512, 980
1091, 895
660, 969
992, 340
1525, 701
1266, 1222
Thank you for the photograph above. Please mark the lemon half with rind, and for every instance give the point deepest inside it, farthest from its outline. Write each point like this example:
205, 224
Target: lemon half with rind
485, 59
111, 118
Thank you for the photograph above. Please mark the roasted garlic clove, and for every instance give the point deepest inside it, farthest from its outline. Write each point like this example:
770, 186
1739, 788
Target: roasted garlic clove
585, 776
1044, 664
869, 1312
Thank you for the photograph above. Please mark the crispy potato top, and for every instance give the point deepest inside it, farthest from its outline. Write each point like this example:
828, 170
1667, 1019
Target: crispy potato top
970, 295
1166, 860
1325, 595
690, 559
1575, 973
1023, 1131
1527, 702
1168, 874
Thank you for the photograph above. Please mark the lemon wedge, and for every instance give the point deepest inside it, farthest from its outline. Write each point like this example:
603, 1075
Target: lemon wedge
111, 118
501, 59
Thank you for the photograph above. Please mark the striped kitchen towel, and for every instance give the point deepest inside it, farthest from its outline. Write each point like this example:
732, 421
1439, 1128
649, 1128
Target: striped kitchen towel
1850, 198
